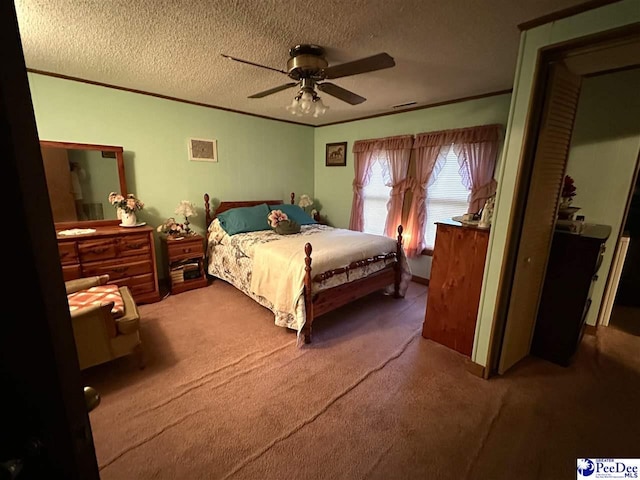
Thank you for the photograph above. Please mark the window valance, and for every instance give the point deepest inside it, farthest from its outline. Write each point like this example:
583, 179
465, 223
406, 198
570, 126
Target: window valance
483, 133
400, 142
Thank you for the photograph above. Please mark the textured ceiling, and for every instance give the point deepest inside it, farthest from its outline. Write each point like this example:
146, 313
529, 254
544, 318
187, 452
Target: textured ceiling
443, 49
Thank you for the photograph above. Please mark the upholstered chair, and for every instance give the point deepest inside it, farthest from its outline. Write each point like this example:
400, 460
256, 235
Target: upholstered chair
105, 319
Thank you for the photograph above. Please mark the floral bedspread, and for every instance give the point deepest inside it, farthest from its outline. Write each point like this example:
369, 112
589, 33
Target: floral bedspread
230, 259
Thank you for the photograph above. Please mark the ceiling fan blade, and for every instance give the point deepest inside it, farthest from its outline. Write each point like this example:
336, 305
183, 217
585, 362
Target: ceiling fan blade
273, 90
364, 65
341, 93
251, 63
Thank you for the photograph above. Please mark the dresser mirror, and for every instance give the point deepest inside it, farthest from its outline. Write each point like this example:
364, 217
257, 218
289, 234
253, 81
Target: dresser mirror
79, 179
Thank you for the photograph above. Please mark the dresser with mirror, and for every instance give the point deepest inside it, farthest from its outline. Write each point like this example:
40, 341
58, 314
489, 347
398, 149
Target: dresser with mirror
91, 240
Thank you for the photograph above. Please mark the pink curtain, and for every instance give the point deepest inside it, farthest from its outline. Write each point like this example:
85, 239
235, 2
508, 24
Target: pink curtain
365, 152
430, 151
477, 153
363, 157
398, 150
476, 147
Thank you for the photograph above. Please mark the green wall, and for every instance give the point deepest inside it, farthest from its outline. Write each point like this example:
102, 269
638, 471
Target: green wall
333, 185
258, 158
603, 157
593, 21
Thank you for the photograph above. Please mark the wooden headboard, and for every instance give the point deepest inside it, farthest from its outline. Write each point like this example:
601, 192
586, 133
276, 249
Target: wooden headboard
224, 206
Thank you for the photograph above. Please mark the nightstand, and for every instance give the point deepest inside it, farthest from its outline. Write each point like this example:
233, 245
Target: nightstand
184, 262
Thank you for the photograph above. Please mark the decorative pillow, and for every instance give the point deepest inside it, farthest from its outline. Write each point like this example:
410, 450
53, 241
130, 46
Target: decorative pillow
245, 219
287, 227
98, 295
295, 213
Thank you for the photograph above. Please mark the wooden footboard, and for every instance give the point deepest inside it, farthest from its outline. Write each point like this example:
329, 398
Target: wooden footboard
335, 297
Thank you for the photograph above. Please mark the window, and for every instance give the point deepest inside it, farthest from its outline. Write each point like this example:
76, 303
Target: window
376, 195
446, 197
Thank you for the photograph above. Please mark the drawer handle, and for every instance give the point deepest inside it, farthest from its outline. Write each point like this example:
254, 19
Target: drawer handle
186, 250
120, 269
134, 246
99, 250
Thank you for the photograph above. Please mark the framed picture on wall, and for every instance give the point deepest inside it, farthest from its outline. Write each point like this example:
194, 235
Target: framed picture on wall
336, 155
203, 150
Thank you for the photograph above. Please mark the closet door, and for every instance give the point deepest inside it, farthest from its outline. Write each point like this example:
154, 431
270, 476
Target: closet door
550, 159
58, 176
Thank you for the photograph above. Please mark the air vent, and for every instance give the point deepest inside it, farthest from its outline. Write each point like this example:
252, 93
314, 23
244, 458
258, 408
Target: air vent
402, 105
203, 150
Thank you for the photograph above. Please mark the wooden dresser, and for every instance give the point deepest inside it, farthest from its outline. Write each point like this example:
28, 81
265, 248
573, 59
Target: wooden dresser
127, 255
574, 261
455, 285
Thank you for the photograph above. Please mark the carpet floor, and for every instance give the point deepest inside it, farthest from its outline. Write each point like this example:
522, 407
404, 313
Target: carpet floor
227, 395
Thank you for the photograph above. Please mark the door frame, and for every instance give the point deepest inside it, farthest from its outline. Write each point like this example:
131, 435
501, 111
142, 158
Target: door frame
546, 56
45, 423
610, 277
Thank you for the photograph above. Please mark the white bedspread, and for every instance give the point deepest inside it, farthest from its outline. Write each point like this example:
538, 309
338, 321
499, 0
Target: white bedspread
278, 267
232, 259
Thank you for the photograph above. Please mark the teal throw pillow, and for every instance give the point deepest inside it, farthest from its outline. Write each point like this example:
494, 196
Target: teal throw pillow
245, 219
295, 213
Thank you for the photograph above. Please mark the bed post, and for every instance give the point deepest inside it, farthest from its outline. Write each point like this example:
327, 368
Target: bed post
293, 197
397, 266
308, 297
207, 211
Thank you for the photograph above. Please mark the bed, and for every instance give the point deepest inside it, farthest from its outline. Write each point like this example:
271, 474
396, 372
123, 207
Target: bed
302, 276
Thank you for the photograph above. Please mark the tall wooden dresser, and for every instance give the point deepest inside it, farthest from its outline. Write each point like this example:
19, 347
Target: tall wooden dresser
455, 285
574, 261
127, 255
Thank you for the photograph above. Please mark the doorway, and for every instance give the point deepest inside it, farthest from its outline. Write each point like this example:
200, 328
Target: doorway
604, 53
625, 312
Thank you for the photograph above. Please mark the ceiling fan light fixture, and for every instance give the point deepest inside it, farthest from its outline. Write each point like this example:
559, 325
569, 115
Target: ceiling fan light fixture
307, 102
293, 107
309, 68
320, 108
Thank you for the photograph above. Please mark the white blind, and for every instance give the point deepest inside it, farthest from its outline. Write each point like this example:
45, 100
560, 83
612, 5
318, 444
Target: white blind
376, 195
446, 197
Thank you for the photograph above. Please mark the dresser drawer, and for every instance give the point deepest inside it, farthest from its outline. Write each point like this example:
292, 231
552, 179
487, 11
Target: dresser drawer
118, 268
68, 253
138, 284
92, 250
71, 272
126, 255
134, 245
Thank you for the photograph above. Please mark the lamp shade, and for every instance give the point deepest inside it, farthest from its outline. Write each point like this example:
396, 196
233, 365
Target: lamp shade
186, 209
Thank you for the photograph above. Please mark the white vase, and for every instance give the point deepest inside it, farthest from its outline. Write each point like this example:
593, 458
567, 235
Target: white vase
128, 219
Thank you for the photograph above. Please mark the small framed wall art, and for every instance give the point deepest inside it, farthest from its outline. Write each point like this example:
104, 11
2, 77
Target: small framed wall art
203, 150
336, 154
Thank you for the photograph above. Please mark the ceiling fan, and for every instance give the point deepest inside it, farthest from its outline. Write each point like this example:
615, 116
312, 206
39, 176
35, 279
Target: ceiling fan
309, 68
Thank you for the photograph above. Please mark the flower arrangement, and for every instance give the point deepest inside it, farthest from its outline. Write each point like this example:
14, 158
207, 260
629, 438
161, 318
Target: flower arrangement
129, 204
568, 187
170, 227
568, 192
